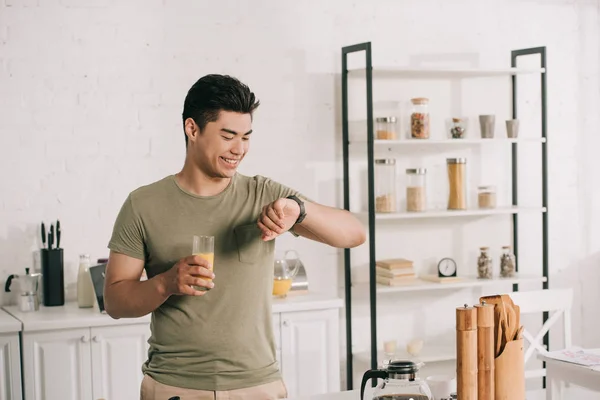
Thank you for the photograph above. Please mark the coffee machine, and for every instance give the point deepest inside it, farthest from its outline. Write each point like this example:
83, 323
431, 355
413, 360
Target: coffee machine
28, 290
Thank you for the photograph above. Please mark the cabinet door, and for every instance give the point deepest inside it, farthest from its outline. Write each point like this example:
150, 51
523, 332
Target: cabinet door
10, 367
277, 336
57, 365
118, 353
310, 352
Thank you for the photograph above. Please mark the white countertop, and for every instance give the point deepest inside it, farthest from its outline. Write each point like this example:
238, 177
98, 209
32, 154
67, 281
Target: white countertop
305, 302
345, 395
71, 316
67, 317
9, 324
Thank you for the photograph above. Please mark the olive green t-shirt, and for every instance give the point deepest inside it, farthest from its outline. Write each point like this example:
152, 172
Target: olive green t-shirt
224, 339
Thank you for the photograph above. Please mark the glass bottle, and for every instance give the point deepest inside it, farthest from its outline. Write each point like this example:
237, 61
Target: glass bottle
419, 118
507, 263
484, 264
385, 185
85, 288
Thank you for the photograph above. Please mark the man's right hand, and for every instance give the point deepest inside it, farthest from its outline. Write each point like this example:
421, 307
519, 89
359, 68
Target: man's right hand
187, 272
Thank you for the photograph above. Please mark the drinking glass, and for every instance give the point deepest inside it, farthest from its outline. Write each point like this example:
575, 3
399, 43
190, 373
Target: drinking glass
204, 246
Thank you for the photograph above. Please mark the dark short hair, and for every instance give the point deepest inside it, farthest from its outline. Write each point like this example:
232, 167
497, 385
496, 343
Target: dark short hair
214, 93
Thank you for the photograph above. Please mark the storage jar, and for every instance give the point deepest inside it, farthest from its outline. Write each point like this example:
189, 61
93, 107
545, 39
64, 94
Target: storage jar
385, 185
458, 127
486, 197
457, 194
507, 263
416, 198
386, 128
419, 118
484, 264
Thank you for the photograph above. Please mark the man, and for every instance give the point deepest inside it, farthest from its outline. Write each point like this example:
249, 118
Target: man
216, 342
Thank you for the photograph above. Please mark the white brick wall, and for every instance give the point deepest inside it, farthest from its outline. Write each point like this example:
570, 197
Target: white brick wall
91, 94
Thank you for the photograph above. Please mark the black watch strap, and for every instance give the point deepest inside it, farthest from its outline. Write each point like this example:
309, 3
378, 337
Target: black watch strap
302, 210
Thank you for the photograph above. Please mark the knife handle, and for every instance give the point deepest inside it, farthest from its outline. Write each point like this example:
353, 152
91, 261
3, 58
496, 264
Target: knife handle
51, 237
58, 234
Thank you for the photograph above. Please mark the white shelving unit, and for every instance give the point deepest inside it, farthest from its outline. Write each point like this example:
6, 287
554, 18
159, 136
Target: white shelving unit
446, 142
444, 73
433, 350
443, 213
463, 282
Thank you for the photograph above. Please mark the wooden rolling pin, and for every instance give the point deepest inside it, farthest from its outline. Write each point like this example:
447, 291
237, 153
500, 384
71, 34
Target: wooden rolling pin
466, 352
485, 351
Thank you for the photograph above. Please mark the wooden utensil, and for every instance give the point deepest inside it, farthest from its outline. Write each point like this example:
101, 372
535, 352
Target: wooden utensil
499, 315
518, 315
519, 334
511, 322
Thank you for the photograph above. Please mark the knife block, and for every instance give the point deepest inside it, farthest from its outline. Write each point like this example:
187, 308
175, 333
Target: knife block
53, 277
509, 377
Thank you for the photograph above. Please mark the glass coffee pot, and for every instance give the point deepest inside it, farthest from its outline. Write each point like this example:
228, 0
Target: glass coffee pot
400, 382
285, 269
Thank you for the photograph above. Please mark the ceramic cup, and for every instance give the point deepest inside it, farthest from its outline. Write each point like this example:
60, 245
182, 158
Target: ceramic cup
512, 128
487, 123
441, 386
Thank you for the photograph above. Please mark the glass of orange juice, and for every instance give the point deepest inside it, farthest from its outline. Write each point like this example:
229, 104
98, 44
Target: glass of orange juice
204, 246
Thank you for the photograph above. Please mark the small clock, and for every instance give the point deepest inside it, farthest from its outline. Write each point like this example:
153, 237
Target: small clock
446, 268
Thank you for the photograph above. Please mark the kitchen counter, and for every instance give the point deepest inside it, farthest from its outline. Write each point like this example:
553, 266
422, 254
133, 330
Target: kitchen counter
71, 316
306, 302
8, 324
345, 395
67, 317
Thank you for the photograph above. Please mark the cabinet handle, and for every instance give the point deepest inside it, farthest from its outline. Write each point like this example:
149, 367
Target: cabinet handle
84, 339
96, 339
285, 322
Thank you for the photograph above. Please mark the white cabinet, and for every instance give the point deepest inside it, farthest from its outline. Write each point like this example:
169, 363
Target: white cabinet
10, 367
118, 353
70, 353
310, 352
57, 365
277, 336
85, 363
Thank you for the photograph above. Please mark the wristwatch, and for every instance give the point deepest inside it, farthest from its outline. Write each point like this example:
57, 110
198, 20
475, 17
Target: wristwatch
302, 210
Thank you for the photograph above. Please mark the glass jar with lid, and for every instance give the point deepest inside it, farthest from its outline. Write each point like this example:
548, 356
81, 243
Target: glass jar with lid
457, 181
484, 264
386, 128
416, 199
457, 128
385, 185
507, 263
486, 196
419, 118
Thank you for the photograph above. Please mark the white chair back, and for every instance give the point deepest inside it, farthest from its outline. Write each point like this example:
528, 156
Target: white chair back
558, 303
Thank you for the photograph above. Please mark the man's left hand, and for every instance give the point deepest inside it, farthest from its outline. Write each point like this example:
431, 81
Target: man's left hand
278, 217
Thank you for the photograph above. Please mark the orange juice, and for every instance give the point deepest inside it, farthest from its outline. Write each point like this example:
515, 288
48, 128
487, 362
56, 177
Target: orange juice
210, 257
281, 287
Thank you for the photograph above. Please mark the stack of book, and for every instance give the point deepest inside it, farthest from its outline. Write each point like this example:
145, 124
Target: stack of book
395, 272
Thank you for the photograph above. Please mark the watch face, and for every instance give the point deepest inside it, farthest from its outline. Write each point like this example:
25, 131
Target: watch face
447, 267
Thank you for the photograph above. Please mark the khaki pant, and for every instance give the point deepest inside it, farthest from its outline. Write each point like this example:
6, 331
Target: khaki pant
153, 390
